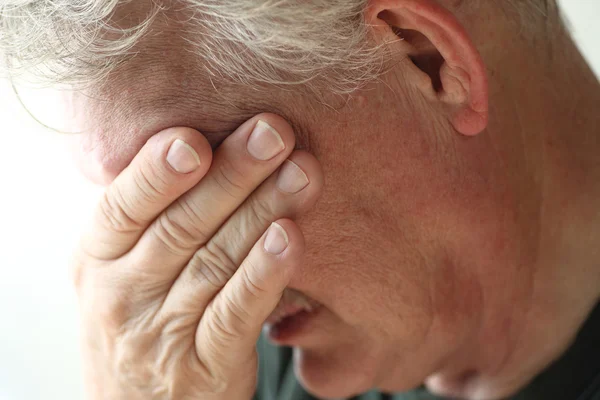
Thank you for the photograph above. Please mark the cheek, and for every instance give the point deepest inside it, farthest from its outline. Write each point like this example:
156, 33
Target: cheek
365, 272
363, 260
384, 290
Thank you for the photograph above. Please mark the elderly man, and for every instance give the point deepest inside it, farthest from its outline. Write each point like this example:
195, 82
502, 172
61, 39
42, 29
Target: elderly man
454, 149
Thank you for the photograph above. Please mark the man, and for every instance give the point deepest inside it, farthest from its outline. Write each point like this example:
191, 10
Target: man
455, 149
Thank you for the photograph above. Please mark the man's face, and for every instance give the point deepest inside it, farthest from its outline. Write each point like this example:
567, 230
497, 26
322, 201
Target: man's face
411, 213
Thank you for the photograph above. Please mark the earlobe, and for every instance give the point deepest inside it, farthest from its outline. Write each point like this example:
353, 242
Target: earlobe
464, 86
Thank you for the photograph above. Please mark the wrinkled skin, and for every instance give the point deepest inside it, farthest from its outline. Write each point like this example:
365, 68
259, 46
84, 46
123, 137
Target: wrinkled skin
430, 252
173, 297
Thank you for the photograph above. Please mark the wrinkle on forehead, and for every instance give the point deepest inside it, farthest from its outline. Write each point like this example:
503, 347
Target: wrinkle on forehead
166, 83
150, 94
164, 86
154, 99
120, 116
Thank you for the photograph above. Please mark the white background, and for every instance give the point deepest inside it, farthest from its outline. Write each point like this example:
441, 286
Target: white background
43, 206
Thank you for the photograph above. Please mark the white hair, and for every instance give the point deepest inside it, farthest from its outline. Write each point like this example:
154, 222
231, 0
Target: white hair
63, 40
277, 42
281, 42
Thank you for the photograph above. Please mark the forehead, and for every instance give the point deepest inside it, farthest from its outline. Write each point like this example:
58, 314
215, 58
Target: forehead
163, 80
166, 84
163, 86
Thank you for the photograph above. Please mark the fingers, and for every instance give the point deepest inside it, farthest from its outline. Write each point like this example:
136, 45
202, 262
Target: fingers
231, 325
242, 162
292, 190
168, 165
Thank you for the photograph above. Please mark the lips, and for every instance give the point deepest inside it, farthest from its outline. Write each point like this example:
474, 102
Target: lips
292, 303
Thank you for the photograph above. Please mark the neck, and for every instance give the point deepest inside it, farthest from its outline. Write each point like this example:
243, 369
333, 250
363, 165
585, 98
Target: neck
560, 129
549, 136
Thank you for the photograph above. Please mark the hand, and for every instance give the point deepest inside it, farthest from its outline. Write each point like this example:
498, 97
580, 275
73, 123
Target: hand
182, 264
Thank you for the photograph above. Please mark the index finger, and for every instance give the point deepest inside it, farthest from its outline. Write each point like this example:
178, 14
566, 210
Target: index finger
167, 166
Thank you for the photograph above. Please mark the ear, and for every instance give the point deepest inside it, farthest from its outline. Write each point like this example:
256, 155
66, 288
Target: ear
446, 63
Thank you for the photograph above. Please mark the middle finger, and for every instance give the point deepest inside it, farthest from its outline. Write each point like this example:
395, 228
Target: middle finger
239, 166
292, 191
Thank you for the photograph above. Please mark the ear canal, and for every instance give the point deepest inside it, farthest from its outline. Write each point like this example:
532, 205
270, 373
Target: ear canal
442, 49
425, 57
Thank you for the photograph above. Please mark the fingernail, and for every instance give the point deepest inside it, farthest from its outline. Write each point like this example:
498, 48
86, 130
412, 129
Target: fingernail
277, 239
264, 142
291, 178
182, 157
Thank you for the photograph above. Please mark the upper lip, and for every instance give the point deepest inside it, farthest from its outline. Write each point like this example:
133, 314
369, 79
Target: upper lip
292, 302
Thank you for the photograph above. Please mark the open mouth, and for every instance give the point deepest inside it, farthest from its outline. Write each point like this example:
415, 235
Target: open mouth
291, 304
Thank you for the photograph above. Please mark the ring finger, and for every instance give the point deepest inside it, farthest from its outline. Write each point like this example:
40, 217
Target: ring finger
242, 162
294, 189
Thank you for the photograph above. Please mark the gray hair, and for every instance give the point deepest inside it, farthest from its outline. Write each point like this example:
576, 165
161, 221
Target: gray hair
288, 42
277, 42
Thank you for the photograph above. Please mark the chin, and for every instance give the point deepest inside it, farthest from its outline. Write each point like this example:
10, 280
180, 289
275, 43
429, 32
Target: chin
320, 377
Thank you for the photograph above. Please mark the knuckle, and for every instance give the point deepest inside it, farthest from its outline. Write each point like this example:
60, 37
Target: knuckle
113, 311
236, 316
211, 264
114, 212
196, 218
261, 211
104, 307
150, 182
252, 282
176, 237
230, 179
226, 325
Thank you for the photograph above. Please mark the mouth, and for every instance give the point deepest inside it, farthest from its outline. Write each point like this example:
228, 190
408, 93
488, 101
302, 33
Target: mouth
292, 303
291, 317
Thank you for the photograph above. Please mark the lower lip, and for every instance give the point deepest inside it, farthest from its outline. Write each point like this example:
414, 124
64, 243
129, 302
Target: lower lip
290, 329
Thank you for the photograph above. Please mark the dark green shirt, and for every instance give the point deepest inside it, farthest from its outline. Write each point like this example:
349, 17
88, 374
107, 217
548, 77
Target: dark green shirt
575, 376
